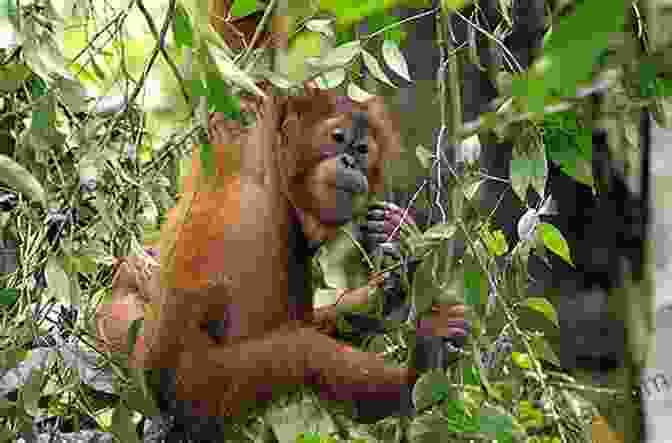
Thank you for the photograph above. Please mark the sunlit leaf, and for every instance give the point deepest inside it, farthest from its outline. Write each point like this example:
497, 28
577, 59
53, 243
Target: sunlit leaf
395, 59
521, 360
453, 5
543, 306
424, 156
349, 12
323, 26
555, 241
58, 281
331, 79
337, 57
358, 94
494, 240
571, 51
184, 35
241, 8
528, 415
374, 68
232, 72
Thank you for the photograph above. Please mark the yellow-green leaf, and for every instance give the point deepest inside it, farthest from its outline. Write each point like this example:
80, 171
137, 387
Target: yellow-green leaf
495, 240
375, 69
540, 304
58, 282
337, 57
452, 5
555, 241
424, 156
521, 360
241, 8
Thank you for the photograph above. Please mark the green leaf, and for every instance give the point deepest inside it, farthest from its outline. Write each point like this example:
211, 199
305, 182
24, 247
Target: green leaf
337, 57
424, 156
470, 190
221, 59
664, 87
331, 79
425, 289
454, 5
581, 35
301, 413
13, 76
555, 241
349, 12
540, 304
241, 8
528, 415
207, 158
8, 296
521, 360
499, 426
38, 87
499, 246
184, 34
432, 387
458, 421
341, 261
308, 437
322, 26
570, 145
221, 99
378, 21
528, 165
531, 90
198, 88
395, 59
472, 376
494, 240
8, 8
58, 282
519, 169
571, 51
374, 68
475, 283
647, 79
358, 94
344, 35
